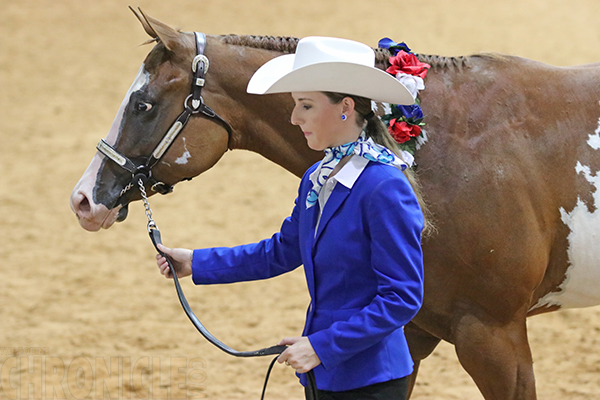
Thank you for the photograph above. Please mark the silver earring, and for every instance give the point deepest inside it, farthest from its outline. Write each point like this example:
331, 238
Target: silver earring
344, 117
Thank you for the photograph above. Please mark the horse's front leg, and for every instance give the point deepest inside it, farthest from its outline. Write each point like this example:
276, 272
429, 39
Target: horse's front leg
496, 355
421, 344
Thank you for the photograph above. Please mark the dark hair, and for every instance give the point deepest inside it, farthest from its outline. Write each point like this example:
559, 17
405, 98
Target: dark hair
376, 130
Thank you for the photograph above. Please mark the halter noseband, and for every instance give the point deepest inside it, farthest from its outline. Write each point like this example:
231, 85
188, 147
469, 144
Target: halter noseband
193, 104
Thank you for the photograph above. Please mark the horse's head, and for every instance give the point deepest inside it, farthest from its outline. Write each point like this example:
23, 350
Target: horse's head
145, 139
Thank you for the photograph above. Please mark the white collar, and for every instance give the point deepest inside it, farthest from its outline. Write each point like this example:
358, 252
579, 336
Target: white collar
350, 172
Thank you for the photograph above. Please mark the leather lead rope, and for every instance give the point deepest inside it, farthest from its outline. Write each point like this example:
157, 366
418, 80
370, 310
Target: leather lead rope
156, 239
142, 174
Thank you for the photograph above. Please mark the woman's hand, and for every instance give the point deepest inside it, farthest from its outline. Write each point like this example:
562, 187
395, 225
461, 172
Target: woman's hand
181, 259
300, 354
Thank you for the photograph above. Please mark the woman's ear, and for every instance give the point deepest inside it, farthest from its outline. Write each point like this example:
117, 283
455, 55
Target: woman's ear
348, 106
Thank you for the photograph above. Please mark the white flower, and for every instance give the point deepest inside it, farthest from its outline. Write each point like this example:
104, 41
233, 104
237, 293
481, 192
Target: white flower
412, 83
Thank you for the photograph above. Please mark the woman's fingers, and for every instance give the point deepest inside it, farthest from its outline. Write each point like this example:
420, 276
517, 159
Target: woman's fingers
300, 354
163, 265
287, 341
286, 355
180, 258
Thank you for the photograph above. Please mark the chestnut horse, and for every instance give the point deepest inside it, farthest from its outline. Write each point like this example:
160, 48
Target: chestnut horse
509, 170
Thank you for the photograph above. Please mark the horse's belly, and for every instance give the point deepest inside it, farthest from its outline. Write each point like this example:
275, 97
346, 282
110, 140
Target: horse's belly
581, 287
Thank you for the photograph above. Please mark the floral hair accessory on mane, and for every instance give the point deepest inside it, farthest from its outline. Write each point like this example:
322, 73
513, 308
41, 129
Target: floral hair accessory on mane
404, 122
387, 43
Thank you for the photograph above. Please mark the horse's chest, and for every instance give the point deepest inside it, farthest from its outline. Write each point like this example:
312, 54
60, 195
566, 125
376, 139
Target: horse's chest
581, 285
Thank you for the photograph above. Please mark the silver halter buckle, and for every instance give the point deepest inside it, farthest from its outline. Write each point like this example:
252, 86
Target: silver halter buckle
200, 58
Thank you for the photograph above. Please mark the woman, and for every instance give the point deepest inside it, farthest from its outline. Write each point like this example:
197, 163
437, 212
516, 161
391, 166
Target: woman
356, 226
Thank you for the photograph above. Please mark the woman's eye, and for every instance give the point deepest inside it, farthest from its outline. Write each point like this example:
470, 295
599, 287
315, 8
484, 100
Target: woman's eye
143, 107
306, 107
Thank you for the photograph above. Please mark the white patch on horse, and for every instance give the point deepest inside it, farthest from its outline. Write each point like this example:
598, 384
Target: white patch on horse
594, 140
184, 157
580, 287
87, 182
140, 80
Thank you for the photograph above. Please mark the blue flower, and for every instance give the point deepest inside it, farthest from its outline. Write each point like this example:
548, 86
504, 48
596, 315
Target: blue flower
412, 112
387, 43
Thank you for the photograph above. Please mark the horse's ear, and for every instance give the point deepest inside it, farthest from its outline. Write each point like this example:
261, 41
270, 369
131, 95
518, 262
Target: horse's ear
144, 23
158, 30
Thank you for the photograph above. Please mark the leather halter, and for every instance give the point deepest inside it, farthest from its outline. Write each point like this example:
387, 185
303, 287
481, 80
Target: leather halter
193, 105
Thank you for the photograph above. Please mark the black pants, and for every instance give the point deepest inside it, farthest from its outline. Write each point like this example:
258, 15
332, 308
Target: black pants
395, 389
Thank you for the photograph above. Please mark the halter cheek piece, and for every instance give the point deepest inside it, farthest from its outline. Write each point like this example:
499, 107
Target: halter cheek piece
193, 105
142, 174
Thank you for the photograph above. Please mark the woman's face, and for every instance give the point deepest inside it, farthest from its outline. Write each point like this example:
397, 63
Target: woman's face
321, 121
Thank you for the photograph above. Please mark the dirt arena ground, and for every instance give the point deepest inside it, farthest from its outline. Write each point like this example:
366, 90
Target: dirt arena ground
86, 315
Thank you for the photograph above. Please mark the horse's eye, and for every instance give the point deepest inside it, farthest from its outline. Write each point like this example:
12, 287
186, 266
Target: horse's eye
143, 107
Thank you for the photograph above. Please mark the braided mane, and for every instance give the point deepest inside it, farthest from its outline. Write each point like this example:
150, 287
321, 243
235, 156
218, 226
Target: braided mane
280, 44
287, 45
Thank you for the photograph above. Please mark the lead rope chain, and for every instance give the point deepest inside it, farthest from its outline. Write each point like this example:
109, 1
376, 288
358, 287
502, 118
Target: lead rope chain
147, 208
155, 237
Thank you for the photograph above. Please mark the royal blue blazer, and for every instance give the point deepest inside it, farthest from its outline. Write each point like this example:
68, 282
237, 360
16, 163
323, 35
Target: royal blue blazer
364, 271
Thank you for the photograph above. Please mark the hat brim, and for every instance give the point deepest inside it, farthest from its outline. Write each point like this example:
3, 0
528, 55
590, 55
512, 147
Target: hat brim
279, 76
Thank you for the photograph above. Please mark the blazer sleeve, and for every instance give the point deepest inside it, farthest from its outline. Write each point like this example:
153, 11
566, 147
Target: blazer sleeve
262, 260
395, 223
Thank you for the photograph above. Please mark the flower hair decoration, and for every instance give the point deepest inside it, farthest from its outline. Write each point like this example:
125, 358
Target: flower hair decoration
405, 122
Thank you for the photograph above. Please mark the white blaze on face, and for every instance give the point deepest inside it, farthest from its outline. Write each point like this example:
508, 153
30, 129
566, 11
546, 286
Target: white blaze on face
113, 135
581, 287
140, 80
98, 215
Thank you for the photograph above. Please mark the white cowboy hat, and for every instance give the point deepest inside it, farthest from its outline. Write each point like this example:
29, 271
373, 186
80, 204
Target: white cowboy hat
327, 64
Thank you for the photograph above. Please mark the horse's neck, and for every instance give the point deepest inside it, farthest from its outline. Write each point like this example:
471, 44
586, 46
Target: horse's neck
262, 123
285, 147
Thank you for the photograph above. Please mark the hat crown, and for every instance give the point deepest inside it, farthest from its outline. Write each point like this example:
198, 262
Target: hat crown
315, 50
329, 64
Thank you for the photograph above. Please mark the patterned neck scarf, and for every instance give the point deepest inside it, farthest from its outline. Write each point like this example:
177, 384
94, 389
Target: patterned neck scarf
363, 147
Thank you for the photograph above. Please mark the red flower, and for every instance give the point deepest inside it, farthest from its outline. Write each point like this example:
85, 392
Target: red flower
402, 131
407, 63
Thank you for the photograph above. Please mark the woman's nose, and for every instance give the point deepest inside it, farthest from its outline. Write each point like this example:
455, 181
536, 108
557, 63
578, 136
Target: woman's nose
294, 117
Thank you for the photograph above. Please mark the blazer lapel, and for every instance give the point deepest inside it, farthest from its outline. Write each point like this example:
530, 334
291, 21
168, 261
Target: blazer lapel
337, 197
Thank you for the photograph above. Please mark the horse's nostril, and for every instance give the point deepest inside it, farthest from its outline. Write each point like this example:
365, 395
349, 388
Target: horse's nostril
84, 205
